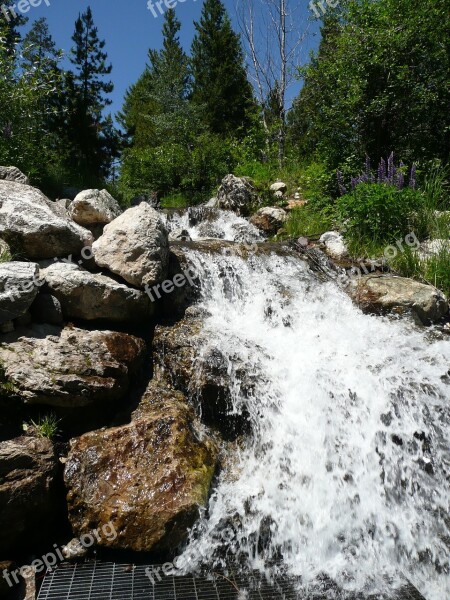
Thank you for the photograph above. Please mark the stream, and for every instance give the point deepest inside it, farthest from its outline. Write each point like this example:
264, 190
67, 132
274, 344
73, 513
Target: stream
345, 476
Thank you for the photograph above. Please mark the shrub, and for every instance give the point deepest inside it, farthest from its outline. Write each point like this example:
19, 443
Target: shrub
378, 211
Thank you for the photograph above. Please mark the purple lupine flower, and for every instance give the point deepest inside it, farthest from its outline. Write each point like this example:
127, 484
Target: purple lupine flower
382, 175
390, 169
412, 177
400, 180
340, 180
368, 172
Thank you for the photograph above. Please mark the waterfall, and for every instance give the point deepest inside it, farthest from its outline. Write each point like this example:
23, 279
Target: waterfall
345, 475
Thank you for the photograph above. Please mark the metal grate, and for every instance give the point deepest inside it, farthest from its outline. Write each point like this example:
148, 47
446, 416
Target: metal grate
114, 581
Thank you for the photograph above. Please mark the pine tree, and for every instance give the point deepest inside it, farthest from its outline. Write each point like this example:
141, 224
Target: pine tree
9, 23
90, 131
220, 81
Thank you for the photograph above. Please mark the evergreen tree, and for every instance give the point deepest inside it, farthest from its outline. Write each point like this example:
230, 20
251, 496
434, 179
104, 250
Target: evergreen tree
220, 81
90, 131
10, 21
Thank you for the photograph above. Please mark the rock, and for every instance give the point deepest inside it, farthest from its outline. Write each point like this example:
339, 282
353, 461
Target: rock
334, 245
47, 309
148, 479
89, 296
94, 207
179, 235
278, 186
269, 219
212, 203
28, 468
278, 195
13, 174
236, 194
151, 199
295, 204
31, 224
74, 549
18, 288
433, 248
184, 356
70, 367
382, 293
135, 246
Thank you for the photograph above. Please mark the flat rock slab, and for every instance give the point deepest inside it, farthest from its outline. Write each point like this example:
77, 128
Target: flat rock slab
381, 293
148, 478
36, 227
13, 174
89, 296
18, 288
70, 367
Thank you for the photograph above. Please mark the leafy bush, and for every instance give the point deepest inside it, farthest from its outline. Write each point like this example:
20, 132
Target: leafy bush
379, 212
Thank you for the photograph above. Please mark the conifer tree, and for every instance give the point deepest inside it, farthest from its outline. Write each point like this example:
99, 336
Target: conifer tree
220, 80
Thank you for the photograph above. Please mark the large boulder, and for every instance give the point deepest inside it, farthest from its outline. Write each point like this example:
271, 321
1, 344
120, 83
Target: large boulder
269, 219
236, 194
69, 367
89, 296
94, 207
135, 246
148, 479
382, 293
35, 226
28, 469
18, 288
13, 174
334, 245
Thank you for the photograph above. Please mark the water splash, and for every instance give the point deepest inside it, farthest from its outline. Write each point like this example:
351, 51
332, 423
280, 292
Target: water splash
346, 473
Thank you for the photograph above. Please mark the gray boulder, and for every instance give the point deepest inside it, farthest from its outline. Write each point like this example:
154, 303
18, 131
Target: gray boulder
94, 207
387, 293
135, 246
236, 194
70, 367
13, 174
269, 219
18, 288
89, 296
278, 186
35, 226
334, 245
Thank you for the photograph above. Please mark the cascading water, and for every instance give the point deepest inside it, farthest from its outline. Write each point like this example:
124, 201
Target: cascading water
346, 472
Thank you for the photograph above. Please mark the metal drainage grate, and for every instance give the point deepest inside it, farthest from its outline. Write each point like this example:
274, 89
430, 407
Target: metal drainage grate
113, 581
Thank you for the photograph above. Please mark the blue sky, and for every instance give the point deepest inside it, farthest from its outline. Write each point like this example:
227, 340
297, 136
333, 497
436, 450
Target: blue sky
130, 29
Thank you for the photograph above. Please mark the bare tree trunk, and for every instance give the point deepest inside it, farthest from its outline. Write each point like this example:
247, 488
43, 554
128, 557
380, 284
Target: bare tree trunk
283, 83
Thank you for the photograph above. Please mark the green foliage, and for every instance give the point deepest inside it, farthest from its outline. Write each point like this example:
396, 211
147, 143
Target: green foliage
220, 84
378, 82
47, 426
379, 212
307, 222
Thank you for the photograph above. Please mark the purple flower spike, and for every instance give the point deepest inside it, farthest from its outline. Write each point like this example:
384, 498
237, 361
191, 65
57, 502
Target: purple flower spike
390, 169
340, 180
412, 177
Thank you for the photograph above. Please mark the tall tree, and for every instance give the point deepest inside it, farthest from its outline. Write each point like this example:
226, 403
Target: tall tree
91, 132
220, 81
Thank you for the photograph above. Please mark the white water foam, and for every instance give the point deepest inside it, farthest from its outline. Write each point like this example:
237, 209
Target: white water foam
347, 471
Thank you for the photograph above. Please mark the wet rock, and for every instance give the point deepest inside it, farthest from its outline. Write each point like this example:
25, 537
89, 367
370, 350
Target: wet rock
269, 219
382, 293
74, 549
94, 207
203, 376
18, 288
89, 296
28, 468
278, 186
135, 246
334, 245
36, 227
13, 174
47, 309
212, 203
148, 479
178, 235
70, 367
236, 194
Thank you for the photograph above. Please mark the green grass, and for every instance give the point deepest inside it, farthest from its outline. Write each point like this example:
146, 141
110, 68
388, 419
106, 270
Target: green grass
176, 200
47, 426
5, 255
307, 222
